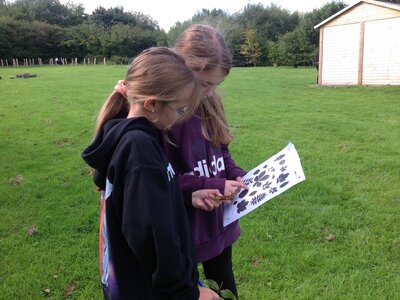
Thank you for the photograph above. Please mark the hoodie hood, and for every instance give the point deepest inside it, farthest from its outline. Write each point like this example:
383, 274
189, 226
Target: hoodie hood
99, 153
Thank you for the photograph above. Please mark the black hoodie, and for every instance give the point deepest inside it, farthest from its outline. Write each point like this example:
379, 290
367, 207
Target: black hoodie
146, 250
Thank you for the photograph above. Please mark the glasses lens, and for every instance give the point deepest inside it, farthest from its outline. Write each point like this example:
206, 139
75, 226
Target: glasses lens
179, 111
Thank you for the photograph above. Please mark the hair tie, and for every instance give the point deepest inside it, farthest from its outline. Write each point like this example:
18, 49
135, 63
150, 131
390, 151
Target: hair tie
121, 88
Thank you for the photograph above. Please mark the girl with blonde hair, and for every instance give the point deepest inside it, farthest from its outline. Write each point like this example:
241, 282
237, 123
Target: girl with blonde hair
201, 157
146, 250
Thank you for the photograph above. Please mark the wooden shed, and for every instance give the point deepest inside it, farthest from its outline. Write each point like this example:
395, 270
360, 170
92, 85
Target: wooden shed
360, 45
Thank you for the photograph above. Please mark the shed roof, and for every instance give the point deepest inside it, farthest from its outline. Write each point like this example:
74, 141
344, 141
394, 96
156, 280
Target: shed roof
373, 2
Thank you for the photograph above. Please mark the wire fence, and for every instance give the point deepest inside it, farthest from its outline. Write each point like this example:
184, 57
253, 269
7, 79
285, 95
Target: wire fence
15, 62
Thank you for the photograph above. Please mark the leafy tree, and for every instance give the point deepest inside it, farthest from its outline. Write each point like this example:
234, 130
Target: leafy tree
3, 8
106, 18
82, 40
297, 51
47, 11
257, 35
29, 39
299, 45
216, 18
250, 48
275, 53
317, 16
75, 14
269, 22
175, 31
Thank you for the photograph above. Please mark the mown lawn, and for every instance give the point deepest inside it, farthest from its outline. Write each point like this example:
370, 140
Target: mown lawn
333, 236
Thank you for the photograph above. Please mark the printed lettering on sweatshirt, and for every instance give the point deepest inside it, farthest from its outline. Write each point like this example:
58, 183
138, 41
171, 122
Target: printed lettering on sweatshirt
203, 169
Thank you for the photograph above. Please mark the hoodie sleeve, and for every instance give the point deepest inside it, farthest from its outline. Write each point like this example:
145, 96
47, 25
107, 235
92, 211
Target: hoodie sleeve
151, 229
232, 171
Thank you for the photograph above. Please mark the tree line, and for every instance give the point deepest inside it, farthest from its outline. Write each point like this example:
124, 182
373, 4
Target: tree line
257, 35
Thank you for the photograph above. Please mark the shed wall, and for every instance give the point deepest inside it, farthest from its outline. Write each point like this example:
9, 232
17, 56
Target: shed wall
364, 12
361, 46
382, 52
340, 55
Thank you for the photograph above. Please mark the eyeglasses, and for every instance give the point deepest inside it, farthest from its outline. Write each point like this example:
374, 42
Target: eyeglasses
179, 111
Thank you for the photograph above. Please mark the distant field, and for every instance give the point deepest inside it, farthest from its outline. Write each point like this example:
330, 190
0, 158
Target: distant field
333, 236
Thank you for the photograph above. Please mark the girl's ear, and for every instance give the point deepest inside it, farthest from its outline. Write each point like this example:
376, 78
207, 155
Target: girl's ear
150, 104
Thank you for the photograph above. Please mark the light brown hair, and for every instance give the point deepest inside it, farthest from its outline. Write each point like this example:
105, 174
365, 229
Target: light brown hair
204, 49
158, 72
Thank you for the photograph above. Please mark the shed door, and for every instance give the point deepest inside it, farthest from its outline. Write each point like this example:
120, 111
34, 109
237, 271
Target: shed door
340, 54
382, 52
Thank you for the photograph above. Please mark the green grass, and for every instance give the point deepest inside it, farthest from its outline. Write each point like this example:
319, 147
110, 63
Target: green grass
348, 139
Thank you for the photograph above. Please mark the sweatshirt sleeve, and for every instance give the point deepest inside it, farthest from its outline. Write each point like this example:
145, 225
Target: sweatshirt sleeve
150, 228
232, 171
192, 183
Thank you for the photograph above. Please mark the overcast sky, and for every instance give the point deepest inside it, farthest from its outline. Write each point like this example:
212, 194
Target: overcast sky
168, 12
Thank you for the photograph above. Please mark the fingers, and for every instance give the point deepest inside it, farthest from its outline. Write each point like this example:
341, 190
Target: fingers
207, 294
242, 185
212, 204
232, 185
206, 199
230, 196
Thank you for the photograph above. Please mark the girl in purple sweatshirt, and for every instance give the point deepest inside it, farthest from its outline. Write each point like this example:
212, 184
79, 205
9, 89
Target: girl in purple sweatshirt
200, 156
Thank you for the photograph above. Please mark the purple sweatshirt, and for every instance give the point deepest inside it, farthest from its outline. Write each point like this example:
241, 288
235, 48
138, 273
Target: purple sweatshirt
200, 165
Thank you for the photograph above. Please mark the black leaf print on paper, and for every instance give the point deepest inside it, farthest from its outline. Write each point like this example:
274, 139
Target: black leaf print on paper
282, 177
283, 169
243, 193
259, 178
258, 198
248, 181
267, 185
279, 157
253, 193
256, 172
266, 166
273, 190
283, 184
272, 169
242, 206
282, 162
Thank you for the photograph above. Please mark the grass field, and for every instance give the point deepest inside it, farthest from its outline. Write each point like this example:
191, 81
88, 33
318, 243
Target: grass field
334, 236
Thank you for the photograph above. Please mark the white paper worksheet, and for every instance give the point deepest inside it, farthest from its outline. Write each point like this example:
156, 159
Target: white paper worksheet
266, 181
